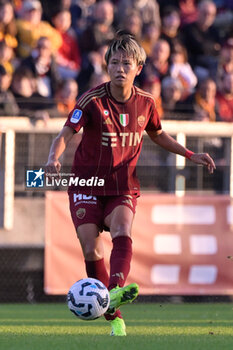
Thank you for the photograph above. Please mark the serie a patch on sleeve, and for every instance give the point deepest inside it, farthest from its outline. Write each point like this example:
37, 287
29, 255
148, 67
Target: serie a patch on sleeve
76, 116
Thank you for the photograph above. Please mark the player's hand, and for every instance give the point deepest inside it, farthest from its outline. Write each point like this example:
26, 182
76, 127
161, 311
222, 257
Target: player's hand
204, 159
52, 168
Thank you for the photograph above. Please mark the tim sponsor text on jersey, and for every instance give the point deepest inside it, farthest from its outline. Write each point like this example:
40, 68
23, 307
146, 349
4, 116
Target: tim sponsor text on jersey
123, 139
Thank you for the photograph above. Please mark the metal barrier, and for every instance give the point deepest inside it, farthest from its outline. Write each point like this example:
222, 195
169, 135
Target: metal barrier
26, 144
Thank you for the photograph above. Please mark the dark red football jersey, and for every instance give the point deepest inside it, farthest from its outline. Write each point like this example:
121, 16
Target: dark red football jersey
111, 141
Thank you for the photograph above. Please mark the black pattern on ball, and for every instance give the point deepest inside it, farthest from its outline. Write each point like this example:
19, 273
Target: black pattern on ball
84, 285
103, 302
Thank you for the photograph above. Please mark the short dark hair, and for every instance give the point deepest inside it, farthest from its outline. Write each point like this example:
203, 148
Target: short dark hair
22, 72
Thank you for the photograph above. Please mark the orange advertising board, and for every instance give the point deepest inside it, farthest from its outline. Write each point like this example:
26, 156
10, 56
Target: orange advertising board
181, 245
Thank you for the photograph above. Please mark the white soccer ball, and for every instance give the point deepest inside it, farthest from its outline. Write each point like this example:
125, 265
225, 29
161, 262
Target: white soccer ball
88, 299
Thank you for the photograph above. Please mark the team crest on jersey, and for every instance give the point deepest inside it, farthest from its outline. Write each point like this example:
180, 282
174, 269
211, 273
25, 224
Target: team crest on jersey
141, 120
124, 119
76, 116
80, 213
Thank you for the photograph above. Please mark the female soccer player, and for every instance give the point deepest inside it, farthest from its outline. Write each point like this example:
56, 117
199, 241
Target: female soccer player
113, 116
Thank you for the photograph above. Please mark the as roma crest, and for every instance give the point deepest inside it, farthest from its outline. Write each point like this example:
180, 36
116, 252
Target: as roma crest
80, 213
141, 120
124, 119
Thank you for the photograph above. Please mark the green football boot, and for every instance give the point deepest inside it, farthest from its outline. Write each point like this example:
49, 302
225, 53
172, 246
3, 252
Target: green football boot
120, 296
118, 327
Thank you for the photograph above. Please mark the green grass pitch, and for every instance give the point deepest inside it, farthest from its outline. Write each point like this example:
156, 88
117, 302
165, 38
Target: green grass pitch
149, 326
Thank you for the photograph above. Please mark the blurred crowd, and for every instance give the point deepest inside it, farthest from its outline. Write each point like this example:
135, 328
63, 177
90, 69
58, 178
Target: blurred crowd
53, 51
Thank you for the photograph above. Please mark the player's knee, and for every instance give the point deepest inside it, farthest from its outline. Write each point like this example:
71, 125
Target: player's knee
120, 230
92, 254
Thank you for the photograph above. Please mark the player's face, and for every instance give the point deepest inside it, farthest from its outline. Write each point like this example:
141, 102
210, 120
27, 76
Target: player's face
123, 69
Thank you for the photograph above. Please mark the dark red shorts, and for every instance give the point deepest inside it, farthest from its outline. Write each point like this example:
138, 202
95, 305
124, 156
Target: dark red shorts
87, 209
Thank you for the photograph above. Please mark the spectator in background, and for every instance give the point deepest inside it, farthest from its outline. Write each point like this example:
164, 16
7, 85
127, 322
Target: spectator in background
68, 55
31, 28
181, 69
81, 12
188, 11
204, 101
172, 91
98, 79
158, 62
201, 104
100, 31
102, 51
8, 30
17, 4
29, 102
66, 96
202, 41
94, 64
50, 7
148, 9
150, 36
187, 8
43, 67
6, 57
225, 63
132, 24
170, 26
153, 86
225, 98
8, 105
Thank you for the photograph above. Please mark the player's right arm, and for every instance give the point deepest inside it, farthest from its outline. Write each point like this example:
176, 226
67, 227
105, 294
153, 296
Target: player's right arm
57, 148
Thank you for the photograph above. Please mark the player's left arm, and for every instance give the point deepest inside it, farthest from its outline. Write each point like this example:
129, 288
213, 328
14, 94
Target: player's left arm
170, 144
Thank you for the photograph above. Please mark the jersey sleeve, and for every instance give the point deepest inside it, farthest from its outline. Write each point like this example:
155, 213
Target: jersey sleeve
154, 123
77, 118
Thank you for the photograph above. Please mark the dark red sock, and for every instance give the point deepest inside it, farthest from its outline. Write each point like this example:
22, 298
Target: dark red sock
120, 261
96, 269
109, 317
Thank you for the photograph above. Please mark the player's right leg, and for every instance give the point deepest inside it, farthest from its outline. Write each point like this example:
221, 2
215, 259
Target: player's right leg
122, 295
86, 212
86, 218
93, 252
92, 248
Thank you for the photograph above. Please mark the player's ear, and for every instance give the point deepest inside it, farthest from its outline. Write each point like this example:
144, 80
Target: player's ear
140, 66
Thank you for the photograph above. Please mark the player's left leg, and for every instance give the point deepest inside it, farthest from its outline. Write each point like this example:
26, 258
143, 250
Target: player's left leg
120, 222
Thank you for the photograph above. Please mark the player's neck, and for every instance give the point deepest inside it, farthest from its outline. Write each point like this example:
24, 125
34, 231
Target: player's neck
121, 94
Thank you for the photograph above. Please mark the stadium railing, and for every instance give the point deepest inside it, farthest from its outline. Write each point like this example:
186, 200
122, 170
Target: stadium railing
25, 144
